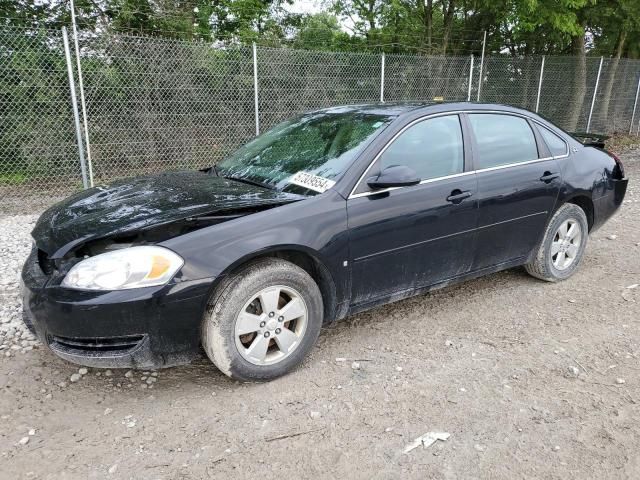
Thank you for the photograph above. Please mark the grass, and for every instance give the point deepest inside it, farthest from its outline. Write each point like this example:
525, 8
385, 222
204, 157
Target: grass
16, 178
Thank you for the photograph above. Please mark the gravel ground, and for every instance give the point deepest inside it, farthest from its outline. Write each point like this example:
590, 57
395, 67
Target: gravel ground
529, 379
15, 244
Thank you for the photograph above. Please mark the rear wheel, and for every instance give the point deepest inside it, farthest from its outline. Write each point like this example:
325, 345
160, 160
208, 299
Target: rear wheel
263, 321
563, 245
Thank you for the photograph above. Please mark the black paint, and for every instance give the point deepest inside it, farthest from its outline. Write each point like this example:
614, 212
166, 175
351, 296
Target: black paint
396, 243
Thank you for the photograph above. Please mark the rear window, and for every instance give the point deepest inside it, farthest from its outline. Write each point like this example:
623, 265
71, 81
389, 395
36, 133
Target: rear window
557, 146
502, 139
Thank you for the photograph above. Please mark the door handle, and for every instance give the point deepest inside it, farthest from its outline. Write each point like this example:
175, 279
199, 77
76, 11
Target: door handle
458, 196
548, 177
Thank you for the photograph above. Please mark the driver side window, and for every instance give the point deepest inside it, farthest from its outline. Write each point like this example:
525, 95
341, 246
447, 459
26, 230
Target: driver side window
432, 147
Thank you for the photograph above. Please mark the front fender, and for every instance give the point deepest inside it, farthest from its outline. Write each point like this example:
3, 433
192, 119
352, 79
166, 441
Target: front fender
316, 226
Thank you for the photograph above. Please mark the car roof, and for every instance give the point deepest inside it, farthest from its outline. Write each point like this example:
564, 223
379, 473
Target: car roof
393, 109
399, 108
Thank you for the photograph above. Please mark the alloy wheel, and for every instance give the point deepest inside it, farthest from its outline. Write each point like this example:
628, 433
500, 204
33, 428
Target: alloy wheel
566, 244
271, 325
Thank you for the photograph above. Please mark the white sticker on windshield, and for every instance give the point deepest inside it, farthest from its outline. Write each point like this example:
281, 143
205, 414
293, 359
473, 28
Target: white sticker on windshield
312, 182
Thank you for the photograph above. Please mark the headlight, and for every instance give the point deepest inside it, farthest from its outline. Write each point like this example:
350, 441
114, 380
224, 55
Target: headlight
132, 267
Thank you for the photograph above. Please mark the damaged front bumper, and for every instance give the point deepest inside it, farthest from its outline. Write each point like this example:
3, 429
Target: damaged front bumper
137, 328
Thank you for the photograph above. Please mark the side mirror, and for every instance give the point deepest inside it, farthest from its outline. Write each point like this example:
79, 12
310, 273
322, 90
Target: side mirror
394, 176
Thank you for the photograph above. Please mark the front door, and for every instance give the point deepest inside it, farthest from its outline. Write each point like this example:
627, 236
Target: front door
410, 237
518, 184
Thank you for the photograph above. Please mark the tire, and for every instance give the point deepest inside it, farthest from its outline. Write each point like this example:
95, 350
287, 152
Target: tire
244, 296
548, 266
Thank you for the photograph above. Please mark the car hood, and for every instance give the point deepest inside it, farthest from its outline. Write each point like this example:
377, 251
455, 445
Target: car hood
139, 203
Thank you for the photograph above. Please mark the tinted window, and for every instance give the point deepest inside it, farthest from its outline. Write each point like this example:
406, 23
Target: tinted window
503, 139
556, 145
433, 148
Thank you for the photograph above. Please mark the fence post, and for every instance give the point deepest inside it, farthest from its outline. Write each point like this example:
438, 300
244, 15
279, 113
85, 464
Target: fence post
484, 44
540, 84
595, 91
74, 105
470, 79
81, 87
255, 88
635, 104
382, 80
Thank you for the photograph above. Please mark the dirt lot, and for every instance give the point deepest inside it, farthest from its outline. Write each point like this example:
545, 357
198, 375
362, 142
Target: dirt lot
531, 380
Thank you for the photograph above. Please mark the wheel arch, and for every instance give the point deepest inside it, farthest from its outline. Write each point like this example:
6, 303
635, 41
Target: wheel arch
585, 202
305, 258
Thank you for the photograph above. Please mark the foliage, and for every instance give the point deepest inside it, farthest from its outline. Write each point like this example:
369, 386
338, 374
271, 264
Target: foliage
397, 26
136, 88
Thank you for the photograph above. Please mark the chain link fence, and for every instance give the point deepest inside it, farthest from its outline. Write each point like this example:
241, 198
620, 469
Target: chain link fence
38, 149
411, 78
156, 104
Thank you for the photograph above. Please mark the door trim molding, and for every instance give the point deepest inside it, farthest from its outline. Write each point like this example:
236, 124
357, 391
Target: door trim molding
422, 242
429, 180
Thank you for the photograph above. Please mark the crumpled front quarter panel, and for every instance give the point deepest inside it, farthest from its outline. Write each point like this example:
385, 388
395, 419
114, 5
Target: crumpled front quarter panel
317, 226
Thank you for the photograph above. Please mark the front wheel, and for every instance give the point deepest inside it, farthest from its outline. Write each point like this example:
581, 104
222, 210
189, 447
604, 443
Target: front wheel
563, 245
263, 321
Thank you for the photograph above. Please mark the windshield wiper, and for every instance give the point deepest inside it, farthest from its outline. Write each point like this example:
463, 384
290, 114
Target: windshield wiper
251, 182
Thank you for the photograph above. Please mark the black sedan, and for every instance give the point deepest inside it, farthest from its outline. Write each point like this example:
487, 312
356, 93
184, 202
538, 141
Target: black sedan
327, 214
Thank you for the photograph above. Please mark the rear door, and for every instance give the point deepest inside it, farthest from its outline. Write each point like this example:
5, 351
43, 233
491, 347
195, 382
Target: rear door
518, 184
409, 237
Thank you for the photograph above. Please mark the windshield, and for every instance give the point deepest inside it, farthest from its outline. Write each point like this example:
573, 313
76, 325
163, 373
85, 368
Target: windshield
305, 154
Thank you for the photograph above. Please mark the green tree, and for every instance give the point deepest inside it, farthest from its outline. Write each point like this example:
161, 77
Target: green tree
320, 31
